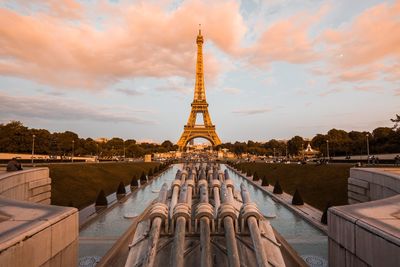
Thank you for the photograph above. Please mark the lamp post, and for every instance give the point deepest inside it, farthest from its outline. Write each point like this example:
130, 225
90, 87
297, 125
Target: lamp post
286, 150
33, 146
73, 147
274, 154
367, 135
124, 150
327, 149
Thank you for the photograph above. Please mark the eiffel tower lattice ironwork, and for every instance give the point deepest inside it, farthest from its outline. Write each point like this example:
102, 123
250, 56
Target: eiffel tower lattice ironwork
199, 105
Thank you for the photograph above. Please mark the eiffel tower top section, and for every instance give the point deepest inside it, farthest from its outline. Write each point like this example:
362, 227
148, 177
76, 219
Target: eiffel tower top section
199, 90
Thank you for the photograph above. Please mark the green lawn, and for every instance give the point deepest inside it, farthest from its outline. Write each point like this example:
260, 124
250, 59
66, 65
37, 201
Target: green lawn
80, 183
317, 184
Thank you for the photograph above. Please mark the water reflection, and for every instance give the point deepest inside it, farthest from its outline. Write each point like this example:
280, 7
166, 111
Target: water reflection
114, 222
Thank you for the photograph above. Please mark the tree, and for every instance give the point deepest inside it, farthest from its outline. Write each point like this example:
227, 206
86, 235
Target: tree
255, 176
134, 181
295, 145
101, 199
277, 188
167, 144
297, 199
265, 181
396, 121
121, 189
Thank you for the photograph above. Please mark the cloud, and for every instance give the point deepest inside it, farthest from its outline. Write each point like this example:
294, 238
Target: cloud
368, 48
287, 40
133, 40
231, 90
54, 108
355, 75
252, 111
129, 92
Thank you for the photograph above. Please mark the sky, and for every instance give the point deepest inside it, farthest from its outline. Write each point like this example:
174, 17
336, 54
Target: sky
273, 68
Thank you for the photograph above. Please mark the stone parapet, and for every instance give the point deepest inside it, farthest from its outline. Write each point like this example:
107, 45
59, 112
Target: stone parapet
365, 234
34, 234
32, 185
368, 184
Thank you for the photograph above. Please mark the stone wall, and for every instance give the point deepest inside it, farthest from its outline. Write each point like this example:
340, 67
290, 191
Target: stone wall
37, 235
33, 185
368, 233
31, 232
368, 184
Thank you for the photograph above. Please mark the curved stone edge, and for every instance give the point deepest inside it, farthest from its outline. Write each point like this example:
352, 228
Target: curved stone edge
34, 234
367, 234
33, 185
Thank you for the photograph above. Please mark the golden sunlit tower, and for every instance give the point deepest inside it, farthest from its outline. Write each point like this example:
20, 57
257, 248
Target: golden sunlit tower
199, 105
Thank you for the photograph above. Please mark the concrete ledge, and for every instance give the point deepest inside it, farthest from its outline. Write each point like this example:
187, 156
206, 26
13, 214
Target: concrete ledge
34, 234
366, 234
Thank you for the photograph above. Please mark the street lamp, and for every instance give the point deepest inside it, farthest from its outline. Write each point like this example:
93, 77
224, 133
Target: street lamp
286, 150
124, 150
33, 146
327, 149
73, 147
367, 135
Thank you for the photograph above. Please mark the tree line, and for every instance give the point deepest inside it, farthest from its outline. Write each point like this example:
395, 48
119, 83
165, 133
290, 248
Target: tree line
17, 138
339, 142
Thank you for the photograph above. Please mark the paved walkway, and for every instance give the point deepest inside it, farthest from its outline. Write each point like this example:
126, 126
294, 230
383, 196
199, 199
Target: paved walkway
306, 211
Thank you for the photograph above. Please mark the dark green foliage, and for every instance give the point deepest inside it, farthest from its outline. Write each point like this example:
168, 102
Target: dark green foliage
156, 170
297, 199
265, 181
248, 173
143, 178
101, 199
277, 188
150, 174
255, 177
324, 217
134, 181
121, 189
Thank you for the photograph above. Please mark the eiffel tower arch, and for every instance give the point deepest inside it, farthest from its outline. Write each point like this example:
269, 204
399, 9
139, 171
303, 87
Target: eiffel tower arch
199, 106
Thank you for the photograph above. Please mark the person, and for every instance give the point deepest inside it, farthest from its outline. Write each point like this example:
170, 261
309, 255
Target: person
397, 160
14, 165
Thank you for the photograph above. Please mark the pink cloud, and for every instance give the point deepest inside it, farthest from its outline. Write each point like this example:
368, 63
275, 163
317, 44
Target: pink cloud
368, 47
288, 40
144, 40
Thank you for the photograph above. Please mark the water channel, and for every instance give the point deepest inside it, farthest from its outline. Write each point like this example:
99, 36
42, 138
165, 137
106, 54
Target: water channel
99, 236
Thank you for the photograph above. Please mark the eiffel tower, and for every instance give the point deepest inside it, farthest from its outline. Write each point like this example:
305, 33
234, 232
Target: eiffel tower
199, 105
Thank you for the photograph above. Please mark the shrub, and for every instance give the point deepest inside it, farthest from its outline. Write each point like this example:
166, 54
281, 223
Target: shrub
324, 217
255, 177
143, 178
121, 189
265, 181
134, 181
297, 199
248, 173
277, 187
101, 199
